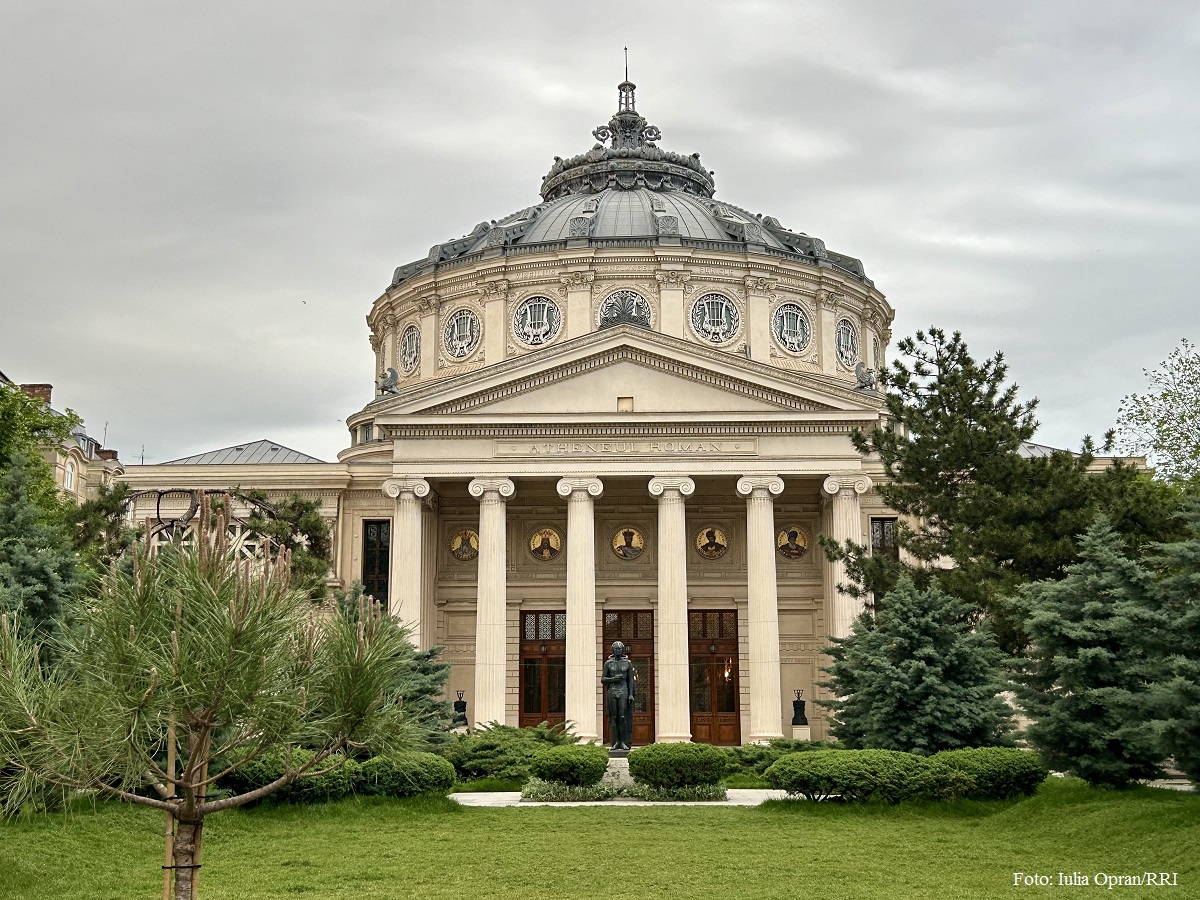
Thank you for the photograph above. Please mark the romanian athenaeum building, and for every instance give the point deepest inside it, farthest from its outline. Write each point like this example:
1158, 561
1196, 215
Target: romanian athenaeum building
623, 412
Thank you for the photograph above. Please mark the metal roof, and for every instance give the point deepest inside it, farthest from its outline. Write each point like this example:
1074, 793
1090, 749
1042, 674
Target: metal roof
248, 454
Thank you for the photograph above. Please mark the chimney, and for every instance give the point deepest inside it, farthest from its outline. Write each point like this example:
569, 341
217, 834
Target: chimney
41, 391
107, 454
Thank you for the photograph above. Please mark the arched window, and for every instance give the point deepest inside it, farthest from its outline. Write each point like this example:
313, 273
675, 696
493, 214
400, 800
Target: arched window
69, 476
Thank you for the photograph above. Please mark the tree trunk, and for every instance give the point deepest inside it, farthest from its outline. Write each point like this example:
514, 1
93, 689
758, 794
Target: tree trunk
187, 836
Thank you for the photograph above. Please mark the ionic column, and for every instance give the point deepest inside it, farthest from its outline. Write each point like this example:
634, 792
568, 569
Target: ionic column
491, 599
581, 603
844, 523
674, 710
404, 566
766, 703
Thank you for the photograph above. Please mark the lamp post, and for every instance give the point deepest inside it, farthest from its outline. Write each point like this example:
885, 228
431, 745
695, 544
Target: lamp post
460, 711
800, 727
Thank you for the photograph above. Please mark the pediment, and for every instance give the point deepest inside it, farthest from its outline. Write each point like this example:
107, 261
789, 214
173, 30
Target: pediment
662, 374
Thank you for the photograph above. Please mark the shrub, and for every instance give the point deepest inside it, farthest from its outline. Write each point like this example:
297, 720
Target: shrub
405, 775
999, 772
557, 792
691, 793
502, 751
754, 759
677, 765
578, 765
334, 784
857, 776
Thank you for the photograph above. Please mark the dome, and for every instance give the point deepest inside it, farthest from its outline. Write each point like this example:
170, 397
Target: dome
627, 192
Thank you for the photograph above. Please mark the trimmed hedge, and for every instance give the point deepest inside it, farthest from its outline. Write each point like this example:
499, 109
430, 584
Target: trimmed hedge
754, 759
677, 765
857, 776
578, 765
502, 751
262, 770
999, 772
405, 775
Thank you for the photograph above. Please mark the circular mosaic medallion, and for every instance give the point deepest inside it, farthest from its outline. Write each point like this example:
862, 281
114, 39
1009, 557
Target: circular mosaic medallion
410, 349
846, 339
711, 542
462, 333
790, 326
464, 545
545, 544
628, 543
715, 318
536, 321
792, 542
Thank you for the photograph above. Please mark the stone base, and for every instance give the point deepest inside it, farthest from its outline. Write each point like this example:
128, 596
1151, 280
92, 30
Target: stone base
617, 773
618, 754
802, 732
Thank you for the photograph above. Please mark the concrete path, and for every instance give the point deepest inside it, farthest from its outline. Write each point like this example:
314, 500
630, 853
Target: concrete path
737, 797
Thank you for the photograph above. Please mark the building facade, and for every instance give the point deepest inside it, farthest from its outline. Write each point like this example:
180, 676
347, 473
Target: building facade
621, 413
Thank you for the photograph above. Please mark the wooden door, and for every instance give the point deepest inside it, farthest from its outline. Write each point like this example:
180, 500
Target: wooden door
635, 629
713, 676
543, 668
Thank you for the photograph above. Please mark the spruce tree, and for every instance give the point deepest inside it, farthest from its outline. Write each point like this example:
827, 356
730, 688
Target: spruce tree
917, 677
1085, 681
38, 567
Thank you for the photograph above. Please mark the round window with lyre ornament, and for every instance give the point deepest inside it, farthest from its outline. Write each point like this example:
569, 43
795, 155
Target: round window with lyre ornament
846, 341
410, 349
536, 321
791, 329
462, 334
715, 318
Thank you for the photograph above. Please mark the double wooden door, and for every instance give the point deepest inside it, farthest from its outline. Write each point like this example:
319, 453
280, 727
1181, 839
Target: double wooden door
635, 629
543, 668
713, 676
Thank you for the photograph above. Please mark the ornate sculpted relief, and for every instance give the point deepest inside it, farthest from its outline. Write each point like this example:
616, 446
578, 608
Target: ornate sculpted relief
536, 321
715, 318
847, 343
462, 334
625, 307
410, 349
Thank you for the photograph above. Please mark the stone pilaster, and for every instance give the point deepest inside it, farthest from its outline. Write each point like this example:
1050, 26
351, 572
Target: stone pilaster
389, 343
674, 709
844, 523
405, 565
581, 603
758, 311
494, 296
579, 302
766, 703
672, 312
491, 599
827, 312
431, 333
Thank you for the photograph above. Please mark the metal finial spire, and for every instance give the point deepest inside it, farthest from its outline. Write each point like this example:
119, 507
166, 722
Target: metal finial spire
626, 63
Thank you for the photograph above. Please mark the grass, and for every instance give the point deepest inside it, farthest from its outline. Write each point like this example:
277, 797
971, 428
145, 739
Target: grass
432, 848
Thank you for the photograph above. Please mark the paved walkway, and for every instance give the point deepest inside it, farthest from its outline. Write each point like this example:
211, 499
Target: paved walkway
737, 797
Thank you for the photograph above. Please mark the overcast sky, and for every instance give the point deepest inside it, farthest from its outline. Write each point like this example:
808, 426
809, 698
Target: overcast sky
199, 202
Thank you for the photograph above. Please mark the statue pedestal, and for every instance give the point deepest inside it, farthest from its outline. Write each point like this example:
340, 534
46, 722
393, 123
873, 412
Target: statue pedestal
617, 773
802, 732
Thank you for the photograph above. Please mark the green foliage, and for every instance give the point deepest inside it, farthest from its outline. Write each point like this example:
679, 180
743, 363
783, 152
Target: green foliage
536, 789
99, 529
1165, 423
294, 525
405, 775
38, 568
686, 793
952, 456
502, 751
999, 773
857, 776
1085, 681
677, 765
578, 765
332, 778
757, 758
917, 677
28, 425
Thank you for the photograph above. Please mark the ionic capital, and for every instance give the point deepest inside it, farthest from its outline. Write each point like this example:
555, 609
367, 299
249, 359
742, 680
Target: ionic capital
759, 284
428, 304
571, 488
673, 277
577, 279
680, 484
492, 290
397, 487
837, 482
762, 485
491, 488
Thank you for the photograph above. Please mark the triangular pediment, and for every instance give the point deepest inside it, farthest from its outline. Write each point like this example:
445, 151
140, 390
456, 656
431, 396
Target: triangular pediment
661, 374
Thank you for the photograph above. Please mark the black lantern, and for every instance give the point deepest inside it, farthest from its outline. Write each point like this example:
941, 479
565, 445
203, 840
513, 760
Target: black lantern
798, 717
460, 709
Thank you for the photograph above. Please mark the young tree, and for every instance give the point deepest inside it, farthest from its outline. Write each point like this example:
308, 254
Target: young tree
38, 570
1085, 682
187, 668
295, 526
1165, 422
99, 526
917, 677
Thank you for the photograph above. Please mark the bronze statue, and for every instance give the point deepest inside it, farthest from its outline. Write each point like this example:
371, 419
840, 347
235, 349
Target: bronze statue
619, 691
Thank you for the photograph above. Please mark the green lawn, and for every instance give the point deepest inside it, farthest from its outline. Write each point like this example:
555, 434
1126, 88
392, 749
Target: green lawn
435, 849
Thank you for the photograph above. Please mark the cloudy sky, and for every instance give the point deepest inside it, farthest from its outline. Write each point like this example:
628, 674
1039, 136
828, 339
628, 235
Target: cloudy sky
199, 202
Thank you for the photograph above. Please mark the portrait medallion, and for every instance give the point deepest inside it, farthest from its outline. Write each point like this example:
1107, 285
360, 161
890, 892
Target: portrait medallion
792, 542
464, 545
628, 542
545, 544
711, 542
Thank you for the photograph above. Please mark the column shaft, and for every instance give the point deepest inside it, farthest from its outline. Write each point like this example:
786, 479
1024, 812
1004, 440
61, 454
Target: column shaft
581, 604
766, 703
491, 600
845, 523
674, 709
405, 564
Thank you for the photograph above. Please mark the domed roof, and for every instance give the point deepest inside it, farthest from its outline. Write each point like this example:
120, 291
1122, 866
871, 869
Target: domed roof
627, 194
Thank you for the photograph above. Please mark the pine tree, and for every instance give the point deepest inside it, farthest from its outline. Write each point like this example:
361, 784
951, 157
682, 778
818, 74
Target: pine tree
294, 525
38, 568
917, 677
1085, 682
